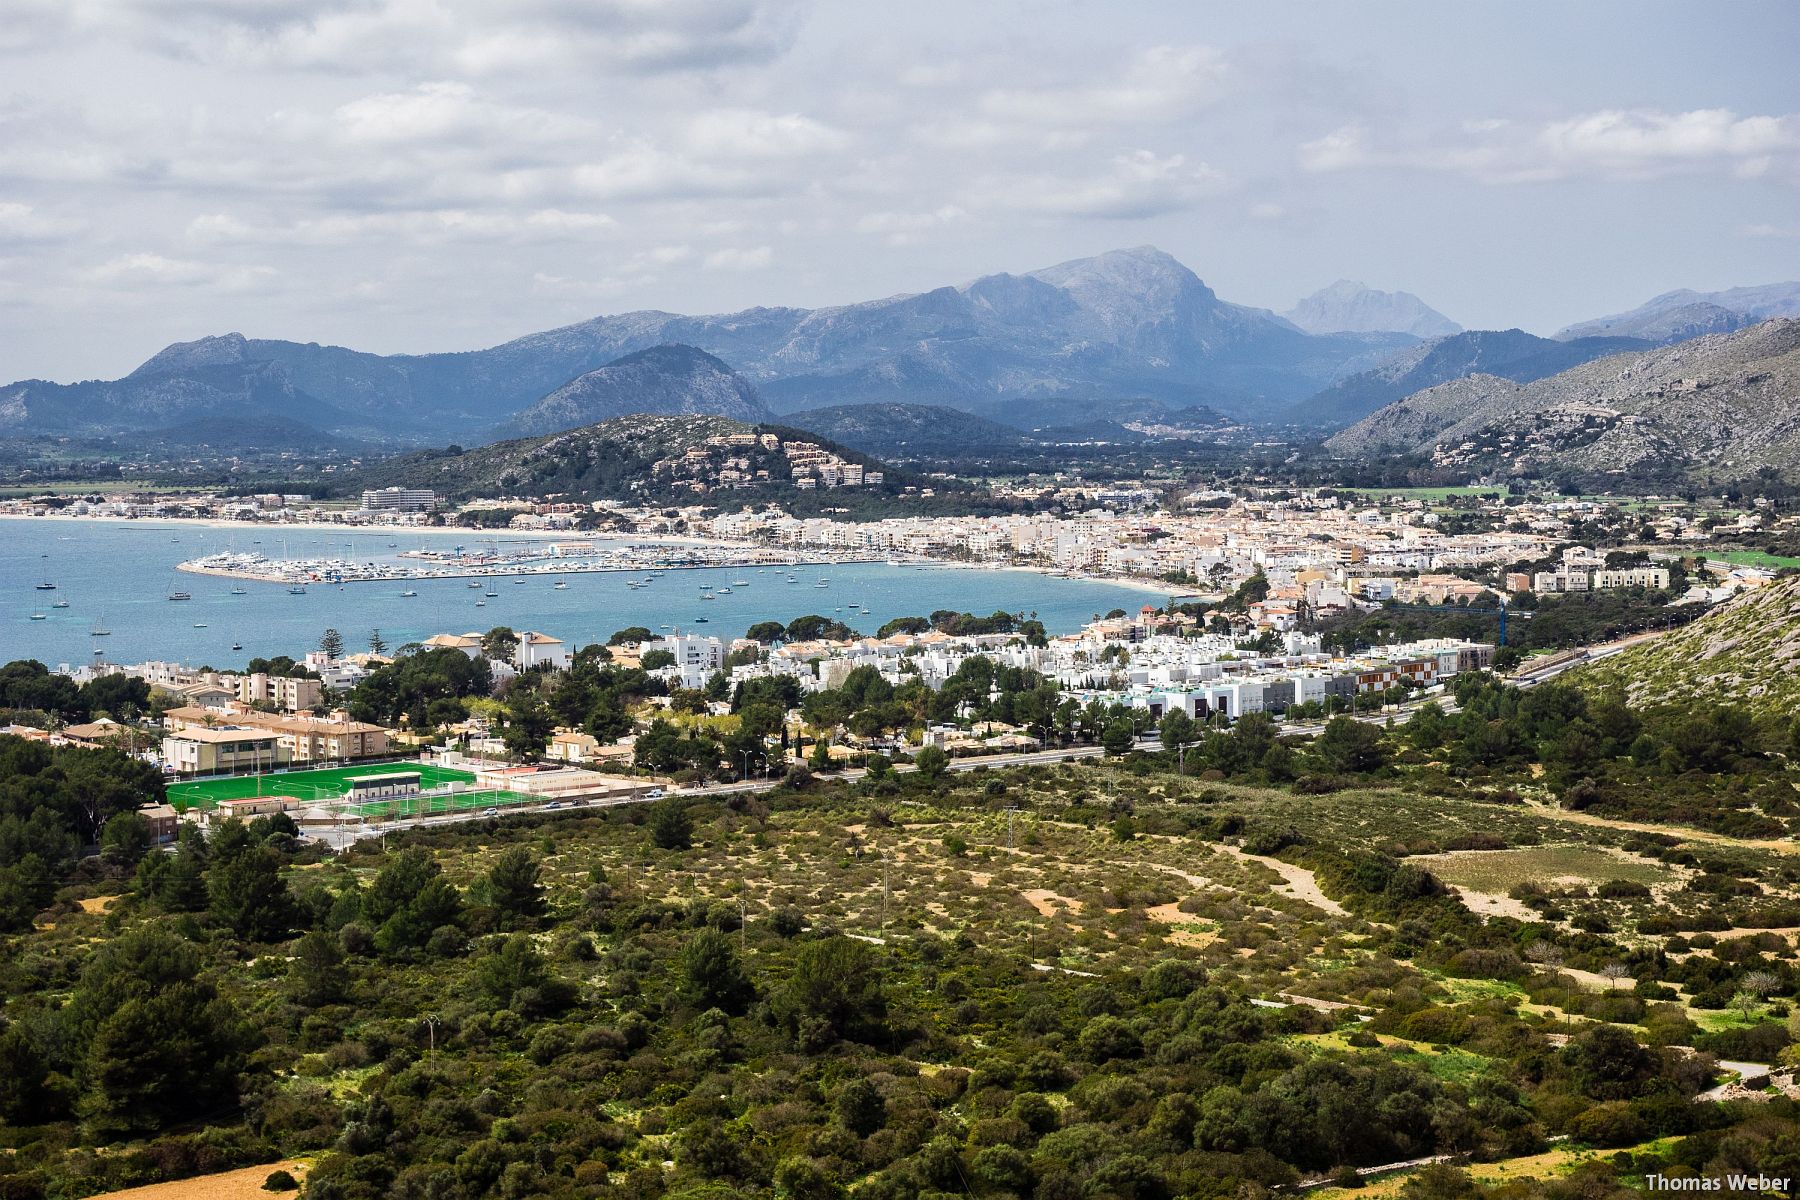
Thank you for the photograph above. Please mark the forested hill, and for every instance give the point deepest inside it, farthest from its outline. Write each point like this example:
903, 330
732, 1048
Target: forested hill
648, 458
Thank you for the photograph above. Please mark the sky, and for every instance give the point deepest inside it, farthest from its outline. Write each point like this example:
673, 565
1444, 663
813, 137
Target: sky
424, 175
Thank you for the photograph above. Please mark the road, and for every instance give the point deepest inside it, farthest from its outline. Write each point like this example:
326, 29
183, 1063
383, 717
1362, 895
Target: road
1523, 679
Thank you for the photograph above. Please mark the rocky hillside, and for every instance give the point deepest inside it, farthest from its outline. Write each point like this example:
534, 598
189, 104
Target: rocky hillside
1719, 407
1679, 315
1350, 307
1508, 354
1746, 651
663, 379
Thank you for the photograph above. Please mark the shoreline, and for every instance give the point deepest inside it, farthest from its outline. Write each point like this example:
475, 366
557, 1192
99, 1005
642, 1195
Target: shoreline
391, 532
1167, 592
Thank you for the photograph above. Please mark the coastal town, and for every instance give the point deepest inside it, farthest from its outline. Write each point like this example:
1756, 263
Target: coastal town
1248, 588
1336, 545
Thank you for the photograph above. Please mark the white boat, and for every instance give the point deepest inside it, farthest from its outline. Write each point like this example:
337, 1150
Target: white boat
724, 591
39, 616
474, 583
481, 604
740, 583
100, 630
299, 589
199, 624
562, 585
409, 592
60, 604
239, 591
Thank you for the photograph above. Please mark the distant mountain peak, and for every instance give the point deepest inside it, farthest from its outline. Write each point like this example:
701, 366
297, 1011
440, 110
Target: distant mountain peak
1349, 306
201, 352
666, 379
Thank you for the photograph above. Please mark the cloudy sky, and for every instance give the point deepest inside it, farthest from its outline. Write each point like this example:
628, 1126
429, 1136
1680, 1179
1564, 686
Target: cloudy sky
411, 175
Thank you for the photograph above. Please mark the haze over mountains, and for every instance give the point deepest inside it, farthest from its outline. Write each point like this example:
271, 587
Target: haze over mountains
1350, 307
1124, 327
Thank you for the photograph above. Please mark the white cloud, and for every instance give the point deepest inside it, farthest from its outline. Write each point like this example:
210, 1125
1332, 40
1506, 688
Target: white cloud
416, 228
1134, 185
465, 37
753, 258
909, 228
20, 223
151, 271
747, 133
1620, 144
1162, 83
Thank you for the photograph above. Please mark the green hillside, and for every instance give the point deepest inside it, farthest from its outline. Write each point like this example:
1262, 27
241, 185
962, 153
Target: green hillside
1747, 651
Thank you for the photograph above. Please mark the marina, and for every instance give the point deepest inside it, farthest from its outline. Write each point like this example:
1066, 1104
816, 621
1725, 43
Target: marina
117, 577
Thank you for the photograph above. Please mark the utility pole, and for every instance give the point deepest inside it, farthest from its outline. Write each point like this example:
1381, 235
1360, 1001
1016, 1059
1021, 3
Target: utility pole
884, 896
431, 1024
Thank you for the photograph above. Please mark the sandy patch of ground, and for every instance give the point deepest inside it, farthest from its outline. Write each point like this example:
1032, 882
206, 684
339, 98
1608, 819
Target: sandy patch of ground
98, 904
1048, 903
980, 878
241, 1184
1489, 905
1182, 932
1298, 882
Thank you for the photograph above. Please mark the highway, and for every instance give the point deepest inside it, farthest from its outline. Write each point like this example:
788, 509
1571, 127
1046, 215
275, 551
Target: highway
1523, 679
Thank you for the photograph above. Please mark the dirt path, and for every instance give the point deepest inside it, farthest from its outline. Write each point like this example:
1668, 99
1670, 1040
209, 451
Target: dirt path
1299, 882
1684, 832
245, 1183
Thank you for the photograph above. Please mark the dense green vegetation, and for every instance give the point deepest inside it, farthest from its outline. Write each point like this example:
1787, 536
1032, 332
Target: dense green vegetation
1035, 982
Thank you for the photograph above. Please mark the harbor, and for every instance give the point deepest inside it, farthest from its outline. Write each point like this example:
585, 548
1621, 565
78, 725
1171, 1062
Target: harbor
581, 558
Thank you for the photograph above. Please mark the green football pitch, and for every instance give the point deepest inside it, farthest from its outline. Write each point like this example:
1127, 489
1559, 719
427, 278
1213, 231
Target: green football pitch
329, 784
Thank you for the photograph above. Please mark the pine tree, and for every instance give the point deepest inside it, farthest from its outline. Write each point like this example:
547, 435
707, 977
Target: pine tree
377, 643
514, 888
331, 643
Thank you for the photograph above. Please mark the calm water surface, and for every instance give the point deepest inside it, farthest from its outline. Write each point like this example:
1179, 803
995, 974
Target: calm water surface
117, 575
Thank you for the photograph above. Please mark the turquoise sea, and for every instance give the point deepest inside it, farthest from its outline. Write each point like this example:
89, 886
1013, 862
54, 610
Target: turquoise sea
117, 575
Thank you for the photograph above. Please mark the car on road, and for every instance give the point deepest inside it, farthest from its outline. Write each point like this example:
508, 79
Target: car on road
490, 812
554, 804
654, 794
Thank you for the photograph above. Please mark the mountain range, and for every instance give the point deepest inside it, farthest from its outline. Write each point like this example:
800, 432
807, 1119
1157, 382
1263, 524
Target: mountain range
1679, 315
1123, 327
1722, 406
1124, 323
1506, 353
